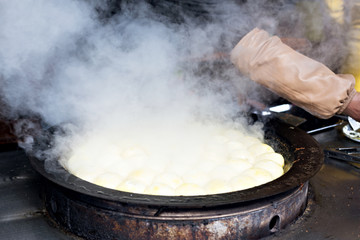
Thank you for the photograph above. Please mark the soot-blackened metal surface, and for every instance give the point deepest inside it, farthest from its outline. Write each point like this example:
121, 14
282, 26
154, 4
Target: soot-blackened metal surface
243, 221
8, 141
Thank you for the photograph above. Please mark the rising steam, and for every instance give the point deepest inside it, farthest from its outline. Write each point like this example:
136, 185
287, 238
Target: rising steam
106, 66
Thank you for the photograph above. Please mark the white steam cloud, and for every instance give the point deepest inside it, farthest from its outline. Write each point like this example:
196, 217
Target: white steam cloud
74, 64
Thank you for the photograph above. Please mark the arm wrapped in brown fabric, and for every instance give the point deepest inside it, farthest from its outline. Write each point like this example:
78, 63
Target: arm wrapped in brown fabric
293, 76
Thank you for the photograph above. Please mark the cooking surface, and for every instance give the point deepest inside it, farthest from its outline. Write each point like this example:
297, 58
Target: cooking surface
333, 211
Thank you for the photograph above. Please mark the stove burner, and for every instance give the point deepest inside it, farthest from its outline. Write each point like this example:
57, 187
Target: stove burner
100, 219
95, 212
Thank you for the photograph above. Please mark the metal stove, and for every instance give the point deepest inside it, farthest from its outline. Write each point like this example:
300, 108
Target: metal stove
332, 210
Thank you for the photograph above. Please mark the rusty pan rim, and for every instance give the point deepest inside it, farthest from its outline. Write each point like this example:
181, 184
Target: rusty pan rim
307, 160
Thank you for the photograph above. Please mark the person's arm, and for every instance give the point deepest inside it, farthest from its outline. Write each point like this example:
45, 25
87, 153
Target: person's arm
353, 109
293, 76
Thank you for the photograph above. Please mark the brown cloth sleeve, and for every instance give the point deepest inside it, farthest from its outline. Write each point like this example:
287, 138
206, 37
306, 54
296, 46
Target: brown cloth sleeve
293, 76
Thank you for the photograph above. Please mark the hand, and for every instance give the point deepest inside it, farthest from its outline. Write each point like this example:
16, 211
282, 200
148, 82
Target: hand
353, 109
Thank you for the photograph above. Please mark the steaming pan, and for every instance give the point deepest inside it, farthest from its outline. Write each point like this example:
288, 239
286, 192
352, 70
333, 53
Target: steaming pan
303, 155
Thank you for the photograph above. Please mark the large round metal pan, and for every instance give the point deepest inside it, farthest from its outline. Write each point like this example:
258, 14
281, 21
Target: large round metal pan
303, 155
